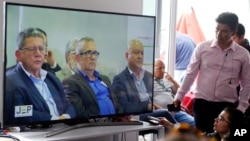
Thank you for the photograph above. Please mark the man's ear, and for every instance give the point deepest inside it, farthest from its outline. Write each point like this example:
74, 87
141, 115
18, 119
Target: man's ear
18, 55
67, 57
126, 55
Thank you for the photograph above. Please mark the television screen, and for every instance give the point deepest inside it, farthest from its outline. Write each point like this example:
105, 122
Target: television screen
51, 38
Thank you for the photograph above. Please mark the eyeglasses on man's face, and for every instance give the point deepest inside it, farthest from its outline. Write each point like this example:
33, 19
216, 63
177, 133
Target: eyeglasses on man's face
41, 49
89, 53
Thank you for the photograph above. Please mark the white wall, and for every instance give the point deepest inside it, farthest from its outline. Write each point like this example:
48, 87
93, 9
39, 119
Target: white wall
206, 12
119, 6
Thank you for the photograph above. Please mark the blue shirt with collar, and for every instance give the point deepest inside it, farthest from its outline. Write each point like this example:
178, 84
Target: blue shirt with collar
140, 85
102, 94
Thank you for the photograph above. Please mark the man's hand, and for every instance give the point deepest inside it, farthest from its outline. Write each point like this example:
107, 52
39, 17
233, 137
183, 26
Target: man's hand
150, 106
50, 57
62, 117
176, 103
164, 122
168, 77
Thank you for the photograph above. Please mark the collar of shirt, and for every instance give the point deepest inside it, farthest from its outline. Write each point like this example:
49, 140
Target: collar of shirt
164, 82
133, 74
231, 47
42, 72
96, 74
158, 79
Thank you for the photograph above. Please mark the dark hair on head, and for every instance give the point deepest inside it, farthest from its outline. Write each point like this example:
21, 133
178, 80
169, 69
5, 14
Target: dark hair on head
240, 30
229, 19
26, 33
236, 118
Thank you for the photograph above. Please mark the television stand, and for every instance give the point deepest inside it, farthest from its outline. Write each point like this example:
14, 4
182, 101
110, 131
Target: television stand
96, 133
110, 123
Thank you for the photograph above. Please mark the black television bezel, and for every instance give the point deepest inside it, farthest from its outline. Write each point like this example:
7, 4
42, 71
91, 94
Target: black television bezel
73, 120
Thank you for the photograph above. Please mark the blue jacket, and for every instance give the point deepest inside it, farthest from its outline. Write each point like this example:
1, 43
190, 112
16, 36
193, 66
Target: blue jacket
83, 97
20, 90
127, 93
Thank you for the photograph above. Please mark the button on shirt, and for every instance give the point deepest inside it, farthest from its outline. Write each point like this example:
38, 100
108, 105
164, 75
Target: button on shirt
102, 94
220, 72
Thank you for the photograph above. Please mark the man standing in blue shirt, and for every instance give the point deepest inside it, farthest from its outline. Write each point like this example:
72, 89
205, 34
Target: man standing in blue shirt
90, 92
184, 50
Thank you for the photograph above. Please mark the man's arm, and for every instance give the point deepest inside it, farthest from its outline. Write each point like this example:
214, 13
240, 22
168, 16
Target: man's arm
21, 98
244, 94
71, 90
65, 108
175, 84
191, 74
19, 94
50, 63
157, 106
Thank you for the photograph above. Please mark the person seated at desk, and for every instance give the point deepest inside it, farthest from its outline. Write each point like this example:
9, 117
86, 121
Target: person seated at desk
134, 85
89, 91
164, 91
29, 85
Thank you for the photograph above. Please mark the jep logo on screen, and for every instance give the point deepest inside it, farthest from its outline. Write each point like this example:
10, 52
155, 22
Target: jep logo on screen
23, 111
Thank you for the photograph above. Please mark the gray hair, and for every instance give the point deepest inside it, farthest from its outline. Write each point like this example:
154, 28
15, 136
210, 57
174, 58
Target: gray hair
71, 47
134, 42
26, 33
79, 48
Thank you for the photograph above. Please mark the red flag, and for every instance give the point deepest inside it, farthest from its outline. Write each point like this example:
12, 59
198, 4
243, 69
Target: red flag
188, 24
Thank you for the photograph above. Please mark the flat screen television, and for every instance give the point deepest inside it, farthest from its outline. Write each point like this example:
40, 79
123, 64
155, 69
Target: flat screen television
110, 31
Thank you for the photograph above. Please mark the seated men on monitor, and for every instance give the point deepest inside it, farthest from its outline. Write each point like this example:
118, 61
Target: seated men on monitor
89, 91
134, 85
165, 88
32, 88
